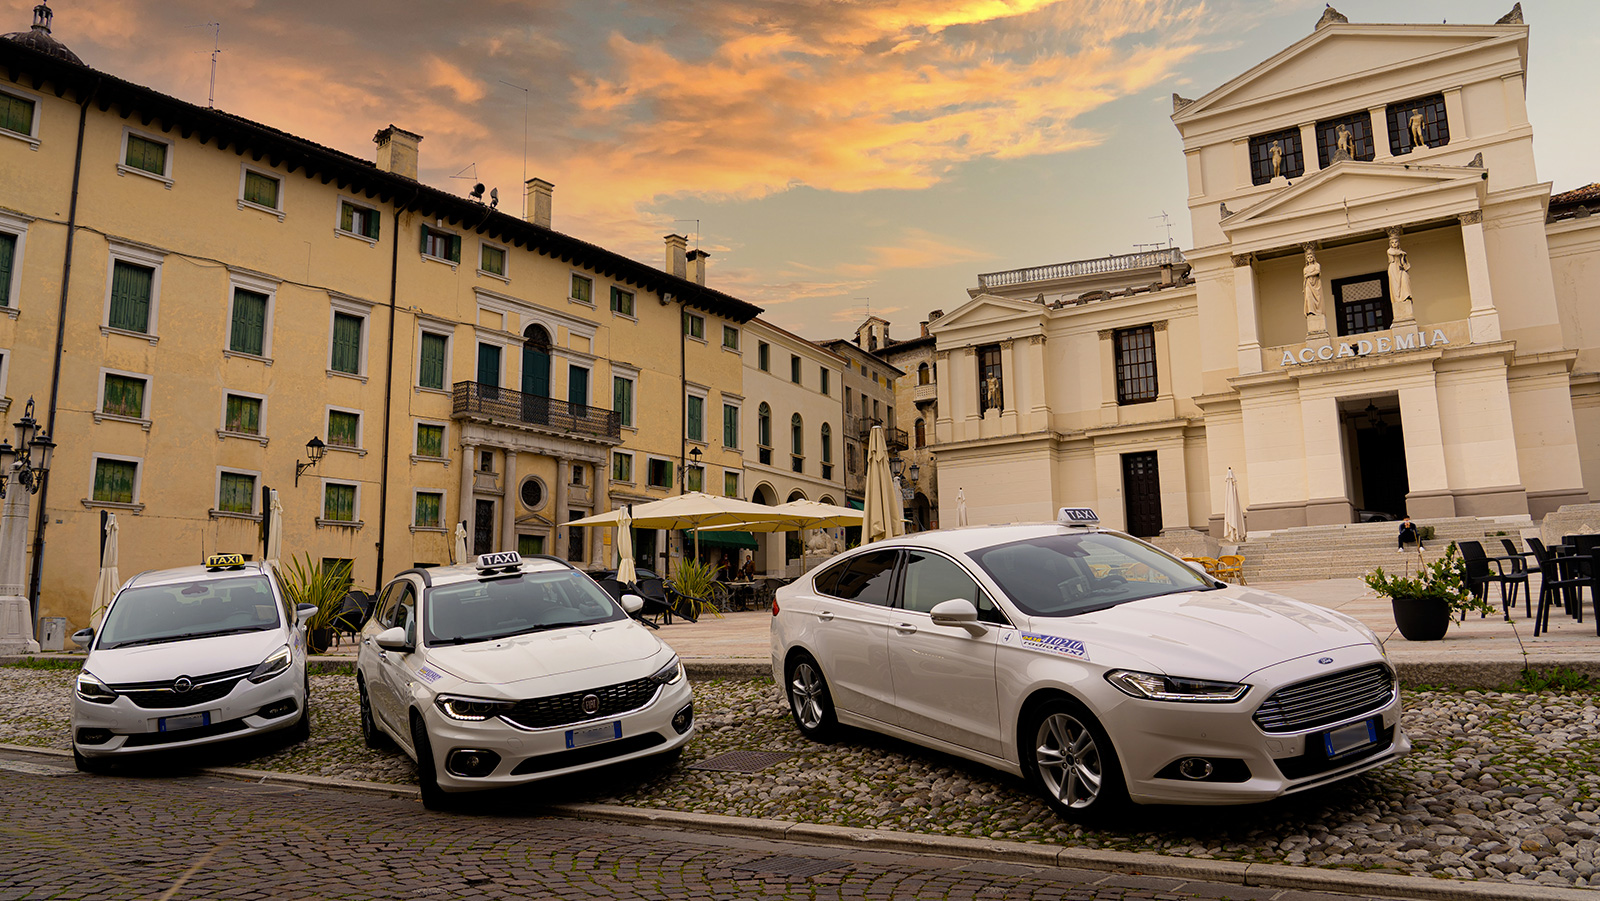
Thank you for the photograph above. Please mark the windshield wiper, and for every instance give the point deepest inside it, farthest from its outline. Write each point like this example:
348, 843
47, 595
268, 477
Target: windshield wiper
165, 639
457, 639
544, 627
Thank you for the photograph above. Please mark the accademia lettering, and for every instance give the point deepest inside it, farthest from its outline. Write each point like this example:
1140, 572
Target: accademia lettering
1383, 344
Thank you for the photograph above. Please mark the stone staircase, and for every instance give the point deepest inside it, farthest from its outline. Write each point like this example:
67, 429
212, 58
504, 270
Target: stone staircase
1354, 549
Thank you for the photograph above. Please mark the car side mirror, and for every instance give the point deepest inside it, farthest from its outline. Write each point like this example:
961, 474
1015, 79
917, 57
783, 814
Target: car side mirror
632, 604
304, 612
84, 637
957, 612
393, 639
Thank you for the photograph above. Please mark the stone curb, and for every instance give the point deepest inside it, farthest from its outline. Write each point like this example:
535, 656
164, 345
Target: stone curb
1230, 872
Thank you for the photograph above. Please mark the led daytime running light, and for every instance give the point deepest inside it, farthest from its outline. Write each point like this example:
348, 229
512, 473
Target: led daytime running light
1157, 687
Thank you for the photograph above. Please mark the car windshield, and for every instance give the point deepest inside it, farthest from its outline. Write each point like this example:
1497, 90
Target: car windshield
1068, 574
160, 613
531, 602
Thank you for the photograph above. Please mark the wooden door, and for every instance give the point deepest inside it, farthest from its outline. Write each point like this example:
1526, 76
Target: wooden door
1141, 490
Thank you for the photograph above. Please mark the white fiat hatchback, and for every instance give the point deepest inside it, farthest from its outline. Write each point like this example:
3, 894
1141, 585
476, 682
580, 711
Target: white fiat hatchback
513, 670
1099, 668
188, 657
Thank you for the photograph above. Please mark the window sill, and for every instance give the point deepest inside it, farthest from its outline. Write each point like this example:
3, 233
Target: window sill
423, 389
733, 350
339, 523
30, 140
112, 505
700, 338
226, 514
332, 373
251, 205
124, 169
5, 404
239, 354
339, 232
630, 483
628, 316
13, 312
441, 530
419, 458
582, 303
116, 417
360, 452
660, 487
445, 260
109, 330
484, 273
247, 436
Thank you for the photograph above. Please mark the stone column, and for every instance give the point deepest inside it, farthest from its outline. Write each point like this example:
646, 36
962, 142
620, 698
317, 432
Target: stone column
1011, 386
965, 391
1429, 482
1039, 407
1327, 488
508, 511
1109, 408
16, 615
559, 529
1484, 320
1244, 301
1379, 116
944, 424
469, 465
598, 559
1164, 370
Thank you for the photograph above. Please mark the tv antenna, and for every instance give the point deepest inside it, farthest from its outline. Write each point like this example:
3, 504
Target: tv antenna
1167, 221
216, 48
524, 143
470, 173
696, 230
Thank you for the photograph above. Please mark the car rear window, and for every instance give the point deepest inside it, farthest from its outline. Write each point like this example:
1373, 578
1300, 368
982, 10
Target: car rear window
161, 613
1067, 574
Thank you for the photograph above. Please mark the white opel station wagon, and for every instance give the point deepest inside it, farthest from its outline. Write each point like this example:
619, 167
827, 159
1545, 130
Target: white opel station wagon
512, 670
1099, 668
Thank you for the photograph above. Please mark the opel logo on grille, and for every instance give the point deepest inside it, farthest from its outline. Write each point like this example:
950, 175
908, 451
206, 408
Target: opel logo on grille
1325, 661
182, 684
591, 704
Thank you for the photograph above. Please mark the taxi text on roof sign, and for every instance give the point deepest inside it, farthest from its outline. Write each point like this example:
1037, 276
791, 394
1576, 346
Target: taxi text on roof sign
1077, 516
220, 561
499, 559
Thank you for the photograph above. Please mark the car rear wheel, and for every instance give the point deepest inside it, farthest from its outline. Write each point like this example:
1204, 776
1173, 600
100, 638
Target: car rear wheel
371, 735
433, 797
809, 700
1069, 759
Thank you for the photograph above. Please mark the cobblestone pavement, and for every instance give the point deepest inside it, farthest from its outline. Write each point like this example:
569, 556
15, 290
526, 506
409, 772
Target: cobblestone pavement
66, 835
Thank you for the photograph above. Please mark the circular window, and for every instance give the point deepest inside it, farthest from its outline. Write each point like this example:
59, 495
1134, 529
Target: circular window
532, 493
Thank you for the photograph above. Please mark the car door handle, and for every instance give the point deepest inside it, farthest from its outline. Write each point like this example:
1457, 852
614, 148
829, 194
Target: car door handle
906, 628
825, 615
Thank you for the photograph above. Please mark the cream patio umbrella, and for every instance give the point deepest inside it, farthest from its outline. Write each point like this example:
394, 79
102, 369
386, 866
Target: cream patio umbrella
274, 548
880, 517
1232, 512
106, 588
694, 510
627, 573
460, 548
799, 515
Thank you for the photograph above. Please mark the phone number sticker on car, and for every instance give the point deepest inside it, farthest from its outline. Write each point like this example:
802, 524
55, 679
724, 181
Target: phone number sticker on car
1055, 644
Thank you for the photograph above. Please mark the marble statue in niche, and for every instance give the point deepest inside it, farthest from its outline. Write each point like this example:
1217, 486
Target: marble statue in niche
1276, 150
1399, 278
1345, 144
1312, 274
1416, 121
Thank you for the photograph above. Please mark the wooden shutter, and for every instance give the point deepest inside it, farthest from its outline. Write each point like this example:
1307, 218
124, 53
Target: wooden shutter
373, 217
489, 365
16, 114
249, 322
424, 246
432, 369
113, 481
243, 415
455, 248
347, 217
344, 429
8, 252
428, 510
130, 297
237, 494
346, 343
430, 441
577, 387
339, 503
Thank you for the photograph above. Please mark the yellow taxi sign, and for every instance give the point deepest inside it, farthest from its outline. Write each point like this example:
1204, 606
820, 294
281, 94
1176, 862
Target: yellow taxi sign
222, 561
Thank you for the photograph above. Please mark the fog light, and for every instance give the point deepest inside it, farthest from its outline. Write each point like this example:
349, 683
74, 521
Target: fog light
683, 719
1195, 768
93, 736
278, 709
470, 763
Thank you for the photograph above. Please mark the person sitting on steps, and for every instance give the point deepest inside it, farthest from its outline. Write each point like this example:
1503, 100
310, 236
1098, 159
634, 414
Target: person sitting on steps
1408, 532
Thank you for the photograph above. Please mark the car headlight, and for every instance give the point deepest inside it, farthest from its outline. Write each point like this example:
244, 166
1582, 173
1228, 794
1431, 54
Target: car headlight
1156, 687
471, 710
93, 690
670, 673
277, 662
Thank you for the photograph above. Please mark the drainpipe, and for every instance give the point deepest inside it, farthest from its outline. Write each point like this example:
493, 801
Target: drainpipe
61, 337
388, 389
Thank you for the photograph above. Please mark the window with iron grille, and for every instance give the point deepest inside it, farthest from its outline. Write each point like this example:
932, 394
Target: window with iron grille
1363, 303
989, 369
1136, 364
1359, 127
1291, 162
1429, 120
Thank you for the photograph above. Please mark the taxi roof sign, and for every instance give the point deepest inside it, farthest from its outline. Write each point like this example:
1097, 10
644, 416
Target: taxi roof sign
224, 561
1077, 516
500, 560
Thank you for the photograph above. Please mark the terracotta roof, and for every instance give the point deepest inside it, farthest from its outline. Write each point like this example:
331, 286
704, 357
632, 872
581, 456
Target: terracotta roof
1575, 204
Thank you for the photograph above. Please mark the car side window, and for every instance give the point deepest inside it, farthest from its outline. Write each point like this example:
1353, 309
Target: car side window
385, 615
866, 580
828, 580
931, 580
405, 611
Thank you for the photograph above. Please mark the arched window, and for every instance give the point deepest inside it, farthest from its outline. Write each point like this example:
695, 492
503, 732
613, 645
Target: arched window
923, 375
764, 425
536, 337
827, 443
922, 433
797, 434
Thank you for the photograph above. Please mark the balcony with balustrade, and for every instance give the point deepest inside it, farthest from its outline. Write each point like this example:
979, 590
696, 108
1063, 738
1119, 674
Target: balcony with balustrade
893, 437
477, 402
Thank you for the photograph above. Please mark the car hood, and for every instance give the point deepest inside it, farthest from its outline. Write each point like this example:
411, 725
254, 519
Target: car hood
191, 657
1225, 634
509, 660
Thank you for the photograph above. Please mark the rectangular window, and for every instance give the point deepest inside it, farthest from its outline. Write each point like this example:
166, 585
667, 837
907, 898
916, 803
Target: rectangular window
621, 467
694, 325
1363, 303
236, 493
242, 415
441, 245
492, 259
577, 388
794, 369
8, 259
1136, 364
339, 502
694, 478
764, 356
143, 153
1354, 132
344, 429
261, 189
358, 220
730, 484
1280, 146
430, 370
114, 479
660, 474
16, 114
695, 418
622, 399
824, 375
428, 506
582, 288
130, 296
1417, 122
730, 426
575, 537
430, 440
346, 344
730, 337
124, 396
621, 301
489, 365
991, 381
248, 335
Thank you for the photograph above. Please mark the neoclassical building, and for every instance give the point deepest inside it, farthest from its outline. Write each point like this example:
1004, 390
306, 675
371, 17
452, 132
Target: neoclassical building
1383, 309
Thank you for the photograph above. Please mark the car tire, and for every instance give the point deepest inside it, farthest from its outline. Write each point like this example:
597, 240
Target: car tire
301, 730
810, 702
371, 735
90, 764
1068, 758
433, 797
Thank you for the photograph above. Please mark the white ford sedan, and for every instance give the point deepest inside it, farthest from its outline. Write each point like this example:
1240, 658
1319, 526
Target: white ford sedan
188, 657
514, 670
1099, 668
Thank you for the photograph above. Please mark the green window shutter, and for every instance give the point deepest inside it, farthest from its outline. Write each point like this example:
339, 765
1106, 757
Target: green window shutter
151, 156
347, 217
124, 396
16, 114
344, 429
694, 478
622, 400
243, 415
113, 481
249, 322
373, 218
730, 426
339, 503
696, 416
455, 248
130, 297
261, 189
425, 233
8, 253
346, 343
237, 494
430, 441
489, 365
427, 510
577, 386
432, 368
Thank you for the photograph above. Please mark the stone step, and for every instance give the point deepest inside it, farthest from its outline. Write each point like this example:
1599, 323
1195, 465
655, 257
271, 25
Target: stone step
1354, 549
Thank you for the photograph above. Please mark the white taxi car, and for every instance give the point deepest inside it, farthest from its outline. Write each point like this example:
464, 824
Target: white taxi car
1099, 668
513, 670
191, 656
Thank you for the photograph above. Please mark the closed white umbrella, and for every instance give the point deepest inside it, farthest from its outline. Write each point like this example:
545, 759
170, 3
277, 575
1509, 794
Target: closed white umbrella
880, 516
1232, 511
961, 506
627, 574
274, 529
461, 543
106, 588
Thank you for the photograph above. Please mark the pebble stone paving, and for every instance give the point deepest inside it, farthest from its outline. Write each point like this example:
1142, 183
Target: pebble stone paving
1501, 786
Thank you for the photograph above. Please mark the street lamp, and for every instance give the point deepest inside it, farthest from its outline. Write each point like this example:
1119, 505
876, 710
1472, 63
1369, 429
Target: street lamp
24, 464
914, 471
29, 473
314, 451
895, 466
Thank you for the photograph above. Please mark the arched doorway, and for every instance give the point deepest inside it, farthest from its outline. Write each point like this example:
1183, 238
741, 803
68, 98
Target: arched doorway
769, 545
794, 549
536, 374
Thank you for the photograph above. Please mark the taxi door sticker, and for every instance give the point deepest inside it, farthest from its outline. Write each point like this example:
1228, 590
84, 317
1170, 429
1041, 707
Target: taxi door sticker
1055, 644
429, 675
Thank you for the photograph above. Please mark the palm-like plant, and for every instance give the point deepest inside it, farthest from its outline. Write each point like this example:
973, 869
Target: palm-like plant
317, 584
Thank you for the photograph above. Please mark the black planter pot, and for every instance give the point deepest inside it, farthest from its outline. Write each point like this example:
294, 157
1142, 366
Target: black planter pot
1422, 619
319, 639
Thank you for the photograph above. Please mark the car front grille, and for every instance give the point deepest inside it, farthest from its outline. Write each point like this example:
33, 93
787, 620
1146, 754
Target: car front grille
560, 710
1327, 699
560, 760
162, 695
150, 739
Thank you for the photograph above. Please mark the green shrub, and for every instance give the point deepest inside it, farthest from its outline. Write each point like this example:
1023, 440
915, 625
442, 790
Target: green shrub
304, 582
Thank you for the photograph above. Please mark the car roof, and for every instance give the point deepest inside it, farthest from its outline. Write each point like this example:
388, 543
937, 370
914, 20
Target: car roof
964, 539
195, 574
468, 572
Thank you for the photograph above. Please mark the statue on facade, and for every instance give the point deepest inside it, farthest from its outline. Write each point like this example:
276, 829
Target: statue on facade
1344, 144
1276, 150
991, 393
1313, 284
1417, 122
1399, 277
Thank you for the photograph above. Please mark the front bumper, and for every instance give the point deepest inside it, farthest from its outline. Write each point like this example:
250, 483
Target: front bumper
249, 709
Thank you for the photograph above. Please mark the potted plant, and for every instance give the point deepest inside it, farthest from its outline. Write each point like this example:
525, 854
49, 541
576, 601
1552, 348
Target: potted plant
321, 586
1425, 603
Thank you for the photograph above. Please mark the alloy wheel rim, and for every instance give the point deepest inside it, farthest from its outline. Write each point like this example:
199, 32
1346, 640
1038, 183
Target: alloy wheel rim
805, 693
1068, 760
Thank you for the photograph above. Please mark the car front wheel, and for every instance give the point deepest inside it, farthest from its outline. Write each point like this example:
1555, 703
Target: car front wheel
433, 797
1069, 759
371, 735
809, 700
90, 764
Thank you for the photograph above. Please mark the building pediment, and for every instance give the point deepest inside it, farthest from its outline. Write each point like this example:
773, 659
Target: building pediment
989, 316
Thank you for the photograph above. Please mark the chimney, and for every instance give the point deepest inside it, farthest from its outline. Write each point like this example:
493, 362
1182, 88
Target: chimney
697, 266
537, 193
397, 151
924, 328
676, 244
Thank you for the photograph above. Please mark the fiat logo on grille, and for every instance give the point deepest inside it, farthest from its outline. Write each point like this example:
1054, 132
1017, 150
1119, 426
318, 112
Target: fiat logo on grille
182, 684
591, 704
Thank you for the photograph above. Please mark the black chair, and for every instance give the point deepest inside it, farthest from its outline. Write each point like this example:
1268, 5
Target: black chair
1479, 575
1567, 574
352, 615
1520, 563
653, 590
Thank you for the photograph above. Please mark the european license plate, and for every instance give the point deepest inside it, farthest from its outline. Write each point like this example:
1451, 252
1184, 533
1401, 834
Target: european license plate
1354, 737
593, 735
189, 721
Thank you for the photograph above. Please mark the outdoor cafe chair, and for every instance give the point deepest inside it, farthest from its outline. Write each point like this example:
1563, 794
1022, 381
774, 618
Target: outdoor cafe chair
1479, 576
1568, 574
1545, 558
1230, 567
1209, 563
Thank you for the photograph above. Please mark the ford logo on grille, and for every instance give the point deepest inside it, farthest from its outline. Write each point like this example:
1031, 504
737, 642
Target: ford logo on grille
591, 704
1325, 661
182, 684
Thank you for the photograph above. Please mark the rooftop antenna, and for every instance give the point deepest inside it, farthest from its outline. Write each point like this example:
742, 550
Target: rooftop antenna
472, 168
696, 230
216, 48
1167, 221
524, 143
